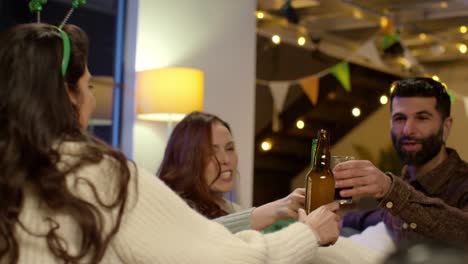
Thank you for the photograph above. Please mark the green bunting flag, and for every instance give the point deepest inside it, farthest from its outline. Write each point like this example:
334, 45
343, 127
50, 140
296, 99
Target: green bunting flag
452, 96
389, 39
341, 72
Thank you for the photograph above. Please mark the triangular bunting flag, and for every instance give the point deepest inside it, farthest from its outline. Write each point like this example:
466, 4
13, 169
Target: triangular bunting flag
275, 122
310, 86
370, 52
390, 39
409, 57
452, 96
388, 26
279, 90
465, 101
341, 72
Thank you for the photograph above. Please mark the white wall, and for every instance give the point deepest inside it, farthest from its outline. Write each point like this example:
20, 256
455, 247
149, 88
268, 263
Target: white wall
150, 139
218, 37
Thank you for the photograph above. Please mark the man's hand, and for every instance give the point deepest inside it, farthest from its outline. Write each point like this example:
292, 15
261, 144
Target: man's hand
363, 177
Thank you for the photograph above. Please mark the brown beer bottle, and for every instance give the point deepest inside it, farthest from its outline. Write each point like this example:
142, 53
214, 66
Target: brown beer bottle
320, 183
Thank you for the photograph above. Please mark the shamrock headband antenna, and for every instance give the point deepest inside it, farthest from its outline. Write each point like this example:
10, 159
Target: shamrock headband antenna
35, 6
75, 4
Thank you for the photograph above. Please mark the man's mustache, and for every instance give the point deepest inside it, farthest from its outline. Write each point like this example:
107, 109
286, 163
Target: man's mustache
410, 138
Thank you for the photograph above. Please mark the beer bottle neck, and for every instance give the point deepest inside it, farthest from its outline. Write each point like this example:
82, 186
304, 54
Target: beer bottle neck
312, 152
322, 153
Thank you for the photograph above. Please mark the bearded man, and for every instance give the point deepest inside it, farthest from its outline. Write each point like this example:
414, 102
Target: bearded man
430, 198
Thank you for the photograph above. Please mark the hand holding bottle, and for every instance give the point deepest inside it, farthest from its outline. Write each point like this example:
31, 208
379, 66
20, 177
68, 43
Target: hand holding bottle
324, 221
287, 207
281, 209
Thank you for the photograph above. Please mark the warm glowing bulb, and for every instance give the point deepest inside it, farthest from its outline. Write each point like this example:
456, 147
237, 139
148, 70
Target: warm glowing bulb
383, 99
442, 49
405, 62
300, 124
356, 112
422, 36
266, 145
443, 4
260, 15
301, 41
463, 29
357, 14
276, 39
392, 87
383, 22
462, 48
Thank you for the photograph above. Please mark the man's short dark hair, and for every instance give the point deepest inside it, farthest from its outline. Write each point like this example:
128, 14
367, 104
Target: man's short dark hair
423, 87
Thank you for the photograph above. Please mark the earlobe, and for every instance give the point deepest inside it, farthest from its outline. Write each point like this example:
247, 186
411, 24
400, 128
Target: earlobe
73, 98
447, 127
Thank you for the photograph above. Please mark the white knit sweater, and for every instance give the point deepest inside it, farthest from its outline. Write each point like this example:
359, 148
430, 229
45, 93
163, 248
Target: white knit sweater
158, 227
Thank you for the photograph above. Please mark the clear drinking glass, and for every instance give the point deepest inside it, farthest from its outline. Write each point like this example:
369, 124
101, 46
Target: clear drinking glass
333, 161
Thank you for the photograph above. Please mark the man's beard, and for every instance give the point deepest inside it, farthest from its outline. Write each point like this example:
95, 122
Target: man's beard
430, 147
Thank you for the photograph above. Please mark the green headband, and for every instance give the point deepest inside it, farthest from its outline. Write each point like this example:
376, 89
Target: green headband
35, 6
66, 50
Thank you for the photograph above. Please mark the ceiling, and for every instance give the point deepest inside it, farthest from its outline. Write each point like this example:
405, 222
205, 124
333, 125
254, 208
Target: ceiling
429, 29
429, 33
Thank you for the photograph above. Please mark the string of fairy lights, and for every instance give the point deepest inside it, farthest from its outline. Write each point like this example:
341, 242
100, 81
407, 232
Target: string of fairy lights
302, 39
384, 23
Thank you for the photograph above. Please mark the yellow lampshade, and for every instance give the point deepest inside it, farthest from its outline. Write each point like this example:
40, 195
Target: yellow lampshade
164, 92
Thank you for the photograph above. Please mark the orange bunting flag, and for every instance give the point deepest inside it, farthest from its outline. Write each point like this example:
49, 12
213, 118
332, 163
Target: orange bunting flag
310, 86
386, 25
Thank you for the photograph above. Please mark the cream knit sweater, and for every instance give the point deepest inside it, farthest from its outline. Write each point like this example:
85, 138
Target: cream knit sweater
158, 227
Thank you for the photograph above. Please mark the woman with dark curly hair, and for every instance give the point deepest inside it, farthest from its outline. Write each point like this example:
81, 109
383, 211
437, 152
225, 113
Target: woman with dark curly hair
67, 197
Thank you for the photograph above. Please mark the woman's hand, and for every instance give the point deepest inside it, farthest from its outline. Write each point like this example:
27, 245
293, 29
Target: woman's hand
282, 209
324, 222
287, 207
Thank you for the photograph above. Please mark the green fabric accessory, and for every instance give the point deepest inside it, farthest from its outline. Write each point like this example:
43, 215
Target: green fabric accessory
278, 226
66, 50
